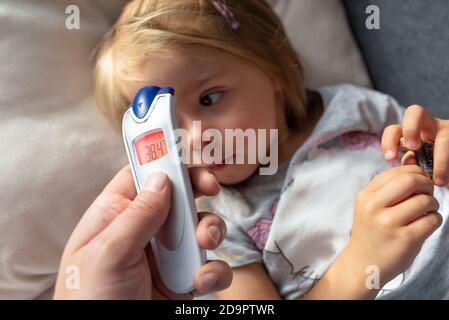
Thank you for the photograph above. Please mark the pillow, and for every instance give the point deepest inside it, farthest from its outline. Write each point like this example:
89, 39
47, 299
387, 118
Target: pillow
58, 152
408, 56
321, 35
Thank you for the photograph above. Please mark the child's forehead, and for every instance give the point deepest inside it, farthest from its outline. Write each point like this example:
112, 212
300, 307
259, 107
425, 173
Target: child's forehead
180, 61
182, 70
191, 65
191, 57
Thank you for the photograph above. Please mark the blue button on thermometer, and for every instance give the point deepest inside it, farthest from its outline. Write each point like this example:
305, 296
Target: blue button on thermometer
148, 132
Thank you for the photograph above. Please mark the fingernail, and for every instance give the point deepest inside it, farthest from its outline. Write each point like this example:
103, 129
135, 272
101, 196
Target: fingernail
434, 219
155, 182
411, 144
214, 233
208, 281
440, 182
389, 155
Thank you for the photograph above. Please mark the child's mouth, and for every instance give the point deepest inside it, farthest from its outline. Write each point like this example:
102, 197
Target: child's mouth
217, 167
222, 165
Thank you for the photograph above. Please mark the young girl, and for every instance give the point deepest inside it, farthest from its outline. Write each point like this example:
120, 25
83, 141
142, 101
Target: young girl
335, 221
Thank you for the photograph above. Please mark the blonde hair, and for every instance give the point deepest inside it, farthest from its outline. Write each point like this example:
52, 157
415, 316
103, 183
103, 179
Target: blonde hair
151, 27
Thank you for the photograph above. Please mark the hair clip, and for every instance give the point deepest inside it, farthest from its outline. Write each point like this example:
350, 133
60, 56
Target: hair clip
227, 15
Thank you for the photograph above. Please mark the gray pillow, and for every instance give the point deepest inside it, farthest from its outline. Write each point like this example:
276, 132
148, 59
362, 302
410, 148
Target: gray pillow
408, 57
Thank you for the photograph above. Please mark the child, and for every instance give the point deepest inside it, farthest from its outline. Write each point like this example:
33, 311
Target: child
335, 221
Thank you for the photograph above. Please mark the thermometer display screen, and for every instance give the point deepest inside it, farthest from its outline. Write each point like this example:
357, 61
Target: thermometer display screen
150, 146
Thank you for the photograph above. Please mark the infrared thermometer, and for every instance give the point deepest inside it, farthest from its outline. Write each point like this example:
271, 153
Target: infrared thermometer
149, 134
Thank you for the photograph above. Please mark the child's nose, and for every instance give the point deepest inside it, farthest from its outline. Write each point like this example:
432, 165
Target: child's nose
195, 128
187, 123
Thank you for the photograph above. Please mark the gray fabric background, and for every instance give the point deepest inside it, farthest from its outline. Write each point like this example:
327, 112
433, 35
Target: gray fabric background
408, 57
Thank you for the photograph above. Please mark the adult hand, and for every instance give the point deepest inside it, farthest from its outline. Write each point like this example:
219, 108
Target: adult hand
108, 255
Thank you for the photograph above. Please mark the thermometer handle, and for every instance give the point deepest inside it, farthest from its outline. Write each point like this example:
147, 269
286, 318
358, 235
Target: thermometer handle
147, 125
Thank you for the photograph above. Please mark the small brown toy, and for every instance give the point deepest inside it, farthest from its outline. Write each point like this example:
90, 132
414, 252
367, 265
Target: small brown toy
424, 156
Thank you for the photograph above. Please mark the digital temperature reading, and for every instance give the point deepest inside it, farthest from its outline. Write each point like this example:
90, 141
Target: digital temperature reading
150, 147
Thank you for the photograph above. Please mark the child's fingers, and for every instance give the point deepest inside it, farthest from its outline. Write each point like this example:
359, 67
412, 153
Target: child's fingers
383, 177
415, 119
413, 208
390, 140
424, 226
401, 187
408, 159
441, 157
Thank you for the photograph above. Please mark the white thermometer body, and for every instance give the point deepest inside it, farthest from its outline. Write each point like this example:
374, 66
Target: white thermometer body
148, 132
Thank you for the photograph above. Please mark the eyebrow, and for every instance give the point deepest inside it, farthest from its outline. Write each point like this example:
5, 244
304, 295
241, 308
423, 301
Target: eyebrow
201, 81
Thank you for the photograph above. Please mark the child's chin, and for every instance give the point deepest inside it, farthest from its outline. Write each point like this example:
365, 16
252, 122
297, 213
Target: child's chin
235, 173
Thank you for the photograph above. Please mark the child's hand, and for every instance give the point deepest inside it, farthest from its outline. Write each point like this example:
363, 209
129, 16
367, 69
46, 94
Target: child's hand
419, 125
394, 214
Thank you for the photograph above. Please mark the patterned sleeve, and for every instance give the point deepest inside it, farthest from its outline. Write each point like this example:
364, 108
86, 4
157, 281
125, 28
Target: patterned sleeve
238, 248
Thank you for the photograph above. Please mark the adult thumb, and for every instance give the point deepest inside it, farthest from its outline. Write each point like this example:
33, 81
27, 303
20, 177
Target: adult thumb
140, 222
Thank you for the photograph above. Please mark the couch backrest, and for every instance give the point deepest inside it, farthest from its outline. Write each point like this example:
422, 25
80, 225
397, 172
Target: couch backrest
408, 57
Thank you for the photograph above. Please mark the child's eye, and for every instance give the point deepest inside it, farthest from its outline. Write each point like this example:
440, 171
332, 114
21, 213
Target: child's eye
210, 98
